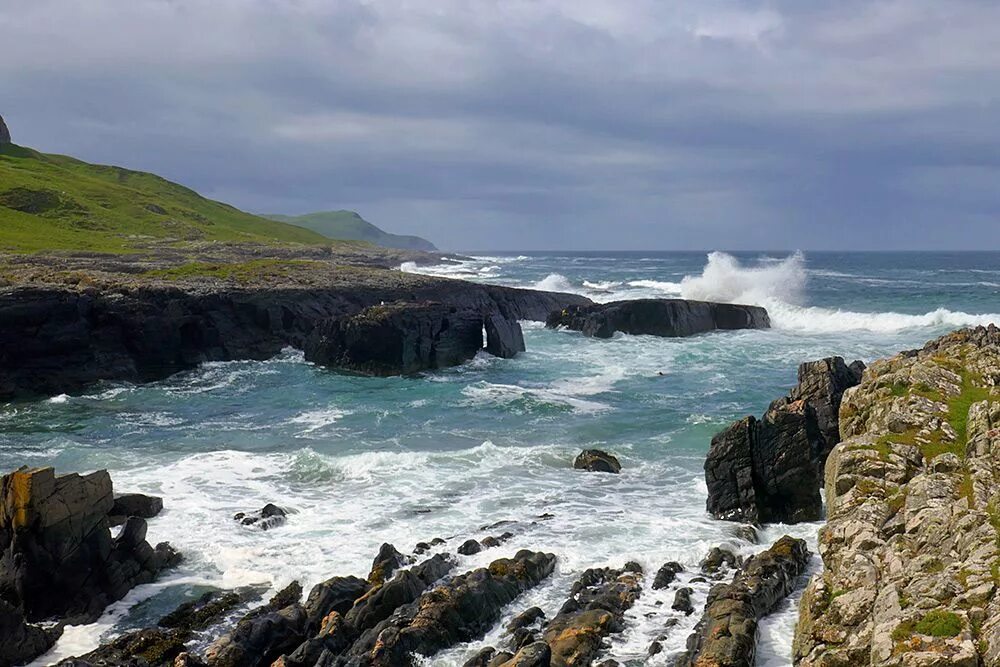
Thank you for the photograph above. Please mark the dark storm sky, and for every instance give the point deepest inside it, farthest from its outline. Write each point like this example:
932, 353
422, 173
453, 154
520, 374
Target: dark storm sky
571, 124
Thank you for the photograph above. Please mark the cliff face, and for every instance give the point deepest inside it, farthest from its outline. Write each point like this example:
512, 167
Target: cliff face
910, 548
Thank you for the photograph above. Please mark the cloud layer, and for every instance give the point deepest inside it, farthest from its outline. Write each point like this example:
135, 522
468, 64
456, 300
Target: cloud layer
520, 124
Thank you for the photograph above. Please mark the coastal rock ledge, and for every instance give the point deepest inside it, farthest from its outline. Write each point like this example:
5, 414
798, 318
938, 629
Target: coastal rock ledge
657, 317
910, 548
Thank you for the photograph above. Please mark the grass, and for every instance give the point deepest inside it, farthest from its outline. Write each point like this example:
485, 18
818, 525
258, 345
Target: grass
937, 623
243, 272
54, 202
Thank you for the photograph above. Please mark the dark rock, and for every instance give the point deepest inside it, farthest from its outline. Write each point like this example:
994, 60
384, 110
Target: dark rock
22, 642
658, 317
526, 618
4, 132
61, 340
654, 649
504, 337
207, 609
482, 658
500, 658
421, 548
726, 634
489, 542
537, 654
596, 608
57, 556
458, 611
666, 574
267, 517
633, 566
337, 594
594, 460
386, 562
134, 504
747, 532
469, 547
264, 633
437, 541
718, 558
770, 470
682, 601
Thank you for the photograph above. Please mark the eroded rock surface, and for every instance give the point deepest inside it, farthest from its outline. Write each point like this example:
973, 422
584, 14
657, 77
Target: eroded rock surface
771, 469
657, 317
910, 547
595, 460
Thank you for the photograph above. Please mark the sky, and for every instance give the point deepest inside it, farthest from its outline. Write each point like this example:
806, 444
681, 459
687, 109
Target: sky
539, 124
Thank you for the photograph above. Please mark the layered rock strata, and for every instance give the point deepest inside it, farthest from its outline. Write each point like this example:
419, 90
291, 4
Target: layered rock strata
910, 548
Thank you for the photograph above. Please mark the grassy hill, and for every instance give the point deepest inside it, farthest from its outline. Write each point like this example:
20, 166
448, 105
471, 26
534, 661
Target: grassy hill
54, 202
349, 226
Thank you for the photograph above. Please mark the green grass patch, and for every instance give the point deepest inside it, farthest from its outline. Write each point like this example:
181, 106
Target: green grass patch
243, 272
54, 202
937, 623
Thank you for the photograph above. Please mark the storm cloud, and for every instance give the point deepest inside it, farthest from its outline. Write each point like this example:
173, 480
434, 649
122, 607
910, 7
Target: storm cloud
524, 124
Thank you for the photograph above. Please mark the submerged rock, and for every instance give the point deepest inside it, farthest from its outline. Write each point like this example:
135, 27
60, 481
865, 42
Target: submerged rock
770, 470
726, 634
595, 460
658, 317
267, 517
57, 556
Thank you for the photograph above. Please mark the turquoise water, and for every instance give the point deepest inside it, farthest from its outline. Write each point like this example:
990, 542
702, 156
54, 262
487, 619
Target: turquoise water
361, 461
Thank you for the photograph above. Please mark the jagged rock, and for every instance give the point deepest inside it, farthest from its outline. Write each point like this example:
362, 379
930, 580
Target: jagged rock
536, 654
22, 642
404, 337
666, 574
726, 634
402, 589
337, 594
911, 542
526, 618
682, 601
482, 658
134, 504
718, 558
658, 317
458, 611
264, 633
386, 562
770, 470
504, 337
57, 556
267, 517
596, 608
594, 460
4, 132
469, 547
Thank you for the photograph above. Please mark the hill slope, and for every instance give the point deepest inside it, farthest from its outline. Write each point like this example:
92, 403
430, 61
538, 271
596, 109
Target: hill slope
54, 202
349, 226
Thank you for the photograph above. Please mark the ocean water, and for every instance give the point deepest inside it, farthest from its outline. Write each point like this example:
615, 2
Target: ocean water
361, 461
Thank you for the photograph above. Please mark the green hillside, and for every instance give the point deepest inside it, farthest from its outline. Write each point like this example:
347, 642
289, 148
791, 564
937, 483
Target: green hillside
54, 202
349, 226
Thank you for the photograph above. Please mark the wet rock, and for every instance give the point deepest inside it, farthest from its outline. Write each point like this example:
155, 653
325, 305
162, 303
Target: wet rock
267, 517
404, 337
596, 609
719, 558
504, 337
666, 574
526, 618
22, 642
537, 654
469, 547
682, 601
595, 460
458, 611
335, 595
747, 532
264, 633
134, 504
402, 589
57, 556
207, 609
726, 634
770, 470
421, 548
658, 317
385, 564
482, 658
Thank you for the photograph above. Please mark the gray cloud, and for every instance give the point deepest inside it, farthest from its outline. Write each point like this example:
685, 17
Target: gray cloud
519, 124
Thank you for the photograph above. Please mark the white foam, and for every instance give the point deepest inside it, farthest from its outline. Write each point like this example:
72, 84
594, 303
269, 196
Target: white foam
725, 279
555, 282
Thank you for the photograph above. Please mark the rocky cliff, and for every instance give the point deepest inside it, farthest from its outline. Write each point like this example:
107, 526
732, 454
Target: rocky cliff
4, 132
61, 339
910, 548
658, 317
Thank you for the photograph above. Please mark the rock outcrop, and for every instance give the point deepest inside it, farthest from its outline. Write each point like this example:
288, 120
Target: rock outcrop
771, 469
134, 504
267, 517
595, 460
4, 132
61, 340
658, 317
910, 548
21, 641
57, 556
726, 635
403, 338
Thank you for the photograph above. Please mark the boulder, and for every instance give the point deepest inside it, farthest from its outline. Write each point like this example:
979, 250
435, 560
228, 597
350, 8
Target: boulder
387, 561
134, 504
469, 547
657, 317
726, 635
771, 469
4, 132
666, 574
682, 601
57, 556
267, 517
404, 337
594, 460
22, 642
264, 633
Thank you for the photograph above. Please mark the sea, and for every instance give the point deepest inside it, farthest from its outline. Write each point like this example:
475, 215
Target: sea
361, 461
